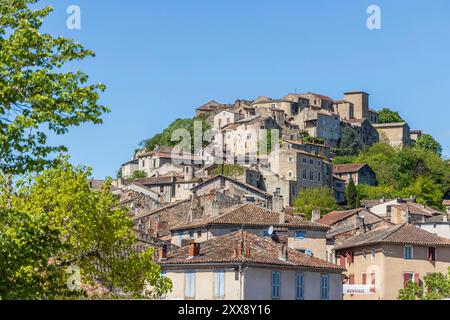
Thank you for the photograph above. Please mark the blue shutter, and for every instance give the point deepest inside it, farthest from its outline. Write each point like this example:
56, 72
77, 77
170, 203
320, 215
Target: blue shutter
299, 285
324, 287
276, 284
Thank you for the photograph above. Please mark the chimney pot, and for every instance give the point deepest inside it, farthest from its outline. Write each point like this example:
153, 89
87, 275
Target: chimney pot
315, 215
163, 252
194, 249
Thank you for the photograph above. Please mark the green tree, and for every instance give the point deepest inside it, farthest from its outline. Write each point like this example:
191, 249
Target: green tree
164, 138
310, 199
426, 192
427, 142
138, 174
350, 143
36, 96
436, 287
62, 222
386, 115
351, 194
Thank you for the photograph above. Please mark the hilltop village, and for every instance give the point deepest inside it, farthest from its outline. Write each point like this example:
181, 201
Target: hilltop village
229, 230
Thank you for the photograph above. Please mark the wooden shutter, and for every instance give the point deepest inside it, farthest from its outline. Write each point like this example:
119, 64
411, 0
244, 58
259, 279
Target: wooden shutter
351, 279
372, 276
342, 260
405, 279
364, 278
417, 278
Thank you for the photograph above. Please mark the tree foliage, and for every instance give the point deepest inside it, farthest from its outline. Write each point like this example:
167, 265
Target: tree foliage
351, 142
36, 96
310, 199
428, 143
386, 115
404, 172
351, 194
436, 287
138, 174
164, 138
56, 221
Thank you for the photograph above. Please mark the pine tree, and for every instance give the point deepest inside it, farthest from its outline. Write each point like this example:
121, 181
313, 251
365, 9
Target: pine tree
351, 194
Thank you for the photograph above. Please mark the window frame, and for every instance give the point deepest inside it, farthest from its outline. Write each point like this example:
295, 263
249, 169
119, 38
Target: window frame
299, 286
276, 286
219, 277
324, 287
189, 279
408, 249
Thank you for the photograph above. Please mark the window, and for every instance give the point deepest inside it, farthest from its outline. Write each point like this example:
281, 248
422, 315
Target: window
299, 286
304, 174
219, 284
431, 254
191, 235
304, 160
290, 159
311, 161
410, 277
299, 234
408, 253
318, 176
290, 174
199, 234
189, 285
276, 285
324, 290
311, 175
351, 278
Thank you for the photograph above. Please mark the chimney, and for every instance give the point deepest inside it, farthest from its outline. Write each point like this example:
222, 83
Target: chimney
283, 253
315, 215
277, 201
282, 217
188, 173
194, 249
163, 252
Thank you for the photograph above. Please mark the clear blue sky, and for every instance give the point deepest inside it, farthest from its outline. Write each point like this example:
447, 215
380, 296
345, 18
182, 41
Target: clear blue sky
161, 59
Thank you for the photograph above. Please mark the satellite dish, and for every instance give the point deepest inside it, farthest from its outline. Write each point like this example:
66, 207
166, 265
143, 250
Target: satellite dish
270, 231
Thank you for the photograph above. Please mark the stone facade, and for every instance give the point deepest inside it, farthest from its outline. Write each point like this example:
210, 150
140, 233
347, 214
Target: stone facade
396, 134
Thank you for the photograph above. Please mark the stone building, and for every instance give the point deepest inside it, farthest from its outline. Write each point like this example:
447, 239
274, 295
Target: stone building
294, 231
383, 260
243, 266
367, 133
396, 134
361, 173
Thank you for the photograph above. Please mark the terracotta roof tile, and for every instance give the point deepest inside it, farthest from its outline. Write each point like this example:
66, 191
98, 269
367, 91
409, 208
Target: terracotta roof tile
249, 215
395, 234
350, 167
336, 216
263, 251
416, 208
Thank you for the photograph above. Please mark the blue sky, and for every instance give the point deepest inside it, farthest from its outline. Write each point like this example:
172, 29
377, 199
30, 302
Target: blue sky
160, 59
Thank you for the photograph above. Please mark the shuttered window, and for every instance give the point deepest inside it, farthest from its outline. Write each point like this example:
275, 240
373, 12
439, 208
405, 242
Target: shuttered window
431, 254
324, 289
189, 288
299, 286
408, 252
219, 283
276, 285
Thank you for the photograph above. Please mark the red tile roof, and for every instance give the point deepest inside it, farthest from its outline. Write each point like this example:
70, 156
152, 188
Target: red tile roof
336, 216
395, 234
263, 251
416, 208
347, 168
249, 215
